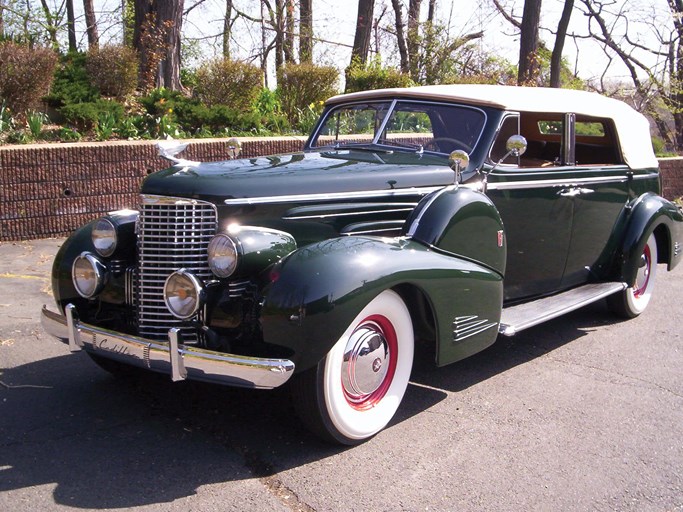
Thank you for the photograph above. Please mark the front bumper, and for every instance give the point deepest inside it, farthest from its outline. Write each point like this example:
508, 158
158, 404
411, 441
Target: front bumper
179, 361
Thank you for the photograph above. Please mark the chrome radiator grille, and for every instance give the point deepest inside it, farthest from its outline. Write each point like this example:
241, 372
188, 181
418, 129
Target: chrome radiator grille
173, 233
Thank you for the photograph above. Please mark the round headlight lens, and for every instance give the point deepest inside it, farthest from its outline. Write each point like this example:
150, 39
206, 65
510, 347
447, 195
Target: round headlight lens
184, 294
222, 255
104, 237
88, 275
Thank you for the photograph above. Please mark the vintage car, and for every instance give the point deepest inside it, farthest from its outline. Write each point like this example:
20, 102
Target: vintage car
449, 214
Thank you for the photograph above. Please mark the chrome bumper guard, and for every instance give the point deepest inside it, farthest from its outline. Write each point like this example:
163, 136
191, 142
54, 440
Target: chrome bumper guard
177, 360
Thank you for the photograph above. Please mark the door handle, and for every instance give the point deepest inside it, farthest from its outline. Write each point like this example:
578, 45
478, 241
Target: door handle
574, 191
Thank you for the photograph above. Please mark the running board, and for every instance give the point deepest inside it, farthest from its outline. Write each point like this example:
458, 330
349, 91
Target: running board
522, 316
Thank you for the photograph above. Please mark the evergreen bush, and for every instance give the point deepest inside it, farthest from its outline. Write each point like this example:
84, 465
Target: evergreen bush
113, 70
85, 116
25, 74
72, 83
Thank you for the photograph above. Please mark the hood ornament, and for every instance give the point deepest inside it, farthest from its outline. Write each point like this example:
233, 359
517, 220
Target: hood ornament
170, 147
234, 147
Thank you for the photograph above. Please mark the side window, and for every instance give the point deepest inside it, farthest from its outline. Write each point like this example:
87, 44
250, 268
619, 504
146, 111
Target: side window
595, 142
509, 127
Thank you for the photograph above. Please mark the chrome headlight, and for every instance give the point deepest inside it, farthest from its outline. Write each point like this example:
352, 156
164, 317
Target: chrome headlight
184, 294
223, 256
88, 275
104, 237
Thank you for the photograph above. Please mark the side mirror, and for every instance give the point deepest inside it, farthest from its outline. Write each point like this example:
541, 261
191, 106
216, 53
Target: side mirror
457, 161
516, 146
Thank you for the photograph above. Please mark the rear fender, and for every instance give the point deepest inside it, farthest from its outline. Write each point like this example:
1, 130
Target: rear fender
315, 293
649, 214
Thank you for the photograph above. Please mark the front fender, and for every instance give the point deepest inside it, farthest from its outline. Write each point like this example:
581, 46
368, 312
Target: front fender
649, 214
316, 292
62, 285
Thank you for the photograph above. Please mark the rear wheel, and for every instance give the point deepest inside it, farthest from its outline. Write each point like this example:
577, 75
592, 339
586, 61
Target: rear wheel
356, 389
633, 300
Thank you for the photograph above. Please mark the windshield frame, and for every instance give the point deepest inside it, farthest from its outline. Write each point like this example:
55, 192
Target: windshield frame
375, 142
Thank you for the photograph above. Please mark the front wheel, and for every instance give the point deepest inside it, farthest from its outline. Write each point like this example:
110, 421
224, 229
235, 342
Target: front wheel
633, 300
356, 389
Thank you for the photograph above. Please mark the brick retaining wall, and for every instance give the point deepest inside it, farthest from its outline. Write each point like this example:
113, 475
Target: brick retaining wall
48, 190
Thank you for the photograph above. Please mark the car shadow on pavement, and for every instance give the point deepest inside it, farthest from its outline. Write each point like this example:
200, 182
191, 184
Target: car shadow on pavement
104, 442
110, 443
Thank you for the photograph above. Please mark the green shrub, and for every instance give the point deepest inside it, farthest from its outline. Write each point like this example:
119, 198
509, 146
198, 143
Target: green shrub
113, 70
227, 82
86, 116
25, 74
300, 85
72, 83
374, 76
66, 134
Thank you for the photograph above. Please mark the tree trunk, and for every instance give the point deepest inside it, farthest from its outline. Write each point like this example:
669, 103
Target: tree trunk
156, 36
71, 25
401, 37
91, 24
289, 29
676, 85
2, 18
171, 14
414, 38
361, 41
306, 31
528, 42
227, 28
556, 58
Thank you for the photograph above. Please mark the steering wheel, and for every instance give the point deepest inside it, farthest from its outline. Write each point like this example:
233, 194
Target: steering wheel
435, 143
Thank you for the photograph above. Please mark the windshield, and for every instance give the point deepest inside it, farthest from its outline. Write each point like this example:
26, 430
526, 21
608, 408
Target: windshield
418, 126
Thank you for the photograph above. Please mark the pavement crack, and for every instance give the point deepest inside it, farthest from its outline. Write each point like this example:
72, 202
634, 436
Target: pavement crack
612, 372
269, 479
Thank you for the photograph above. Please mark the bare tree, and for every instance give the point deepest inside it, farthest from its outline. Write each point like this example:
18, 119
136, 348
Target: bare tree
71, 25
528, 42
556, 58
2, 18
400, 37
361, 41
648, 83
306, 31
413, 42
91, 24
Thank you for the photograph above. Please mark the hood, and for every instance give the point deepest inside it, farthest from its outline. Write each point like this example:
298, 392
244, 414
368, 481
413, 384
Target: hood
300, 173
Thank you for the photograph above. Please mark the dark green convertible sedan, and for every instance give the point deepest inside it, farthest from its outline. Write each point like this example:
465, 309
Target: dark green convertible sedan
450, 214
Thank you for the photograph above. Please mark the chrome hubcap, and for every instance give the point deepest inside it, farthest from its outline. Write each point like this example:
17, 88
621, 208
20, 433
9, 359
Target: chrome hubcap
643, 275
365, 362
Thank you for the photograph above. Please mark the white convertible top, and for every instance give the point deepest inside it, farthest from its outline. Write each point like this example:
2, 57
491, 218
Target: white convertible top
633, 129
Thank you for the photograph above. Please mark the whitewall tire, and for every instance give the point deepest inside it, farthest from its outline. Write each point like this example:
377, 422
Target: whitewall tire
633, 301
356, 389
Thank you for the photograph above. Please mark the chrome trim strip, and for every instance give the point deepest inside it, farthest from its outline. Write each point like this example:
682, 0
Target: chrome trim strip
174, 359
563, 182
410, 208
467, 326
169, 200
331, 196
416, 222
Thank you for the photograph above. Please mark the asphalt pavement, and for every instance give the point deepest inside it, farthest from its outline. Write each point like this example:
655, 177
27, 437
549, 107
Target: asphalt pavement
582, 413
